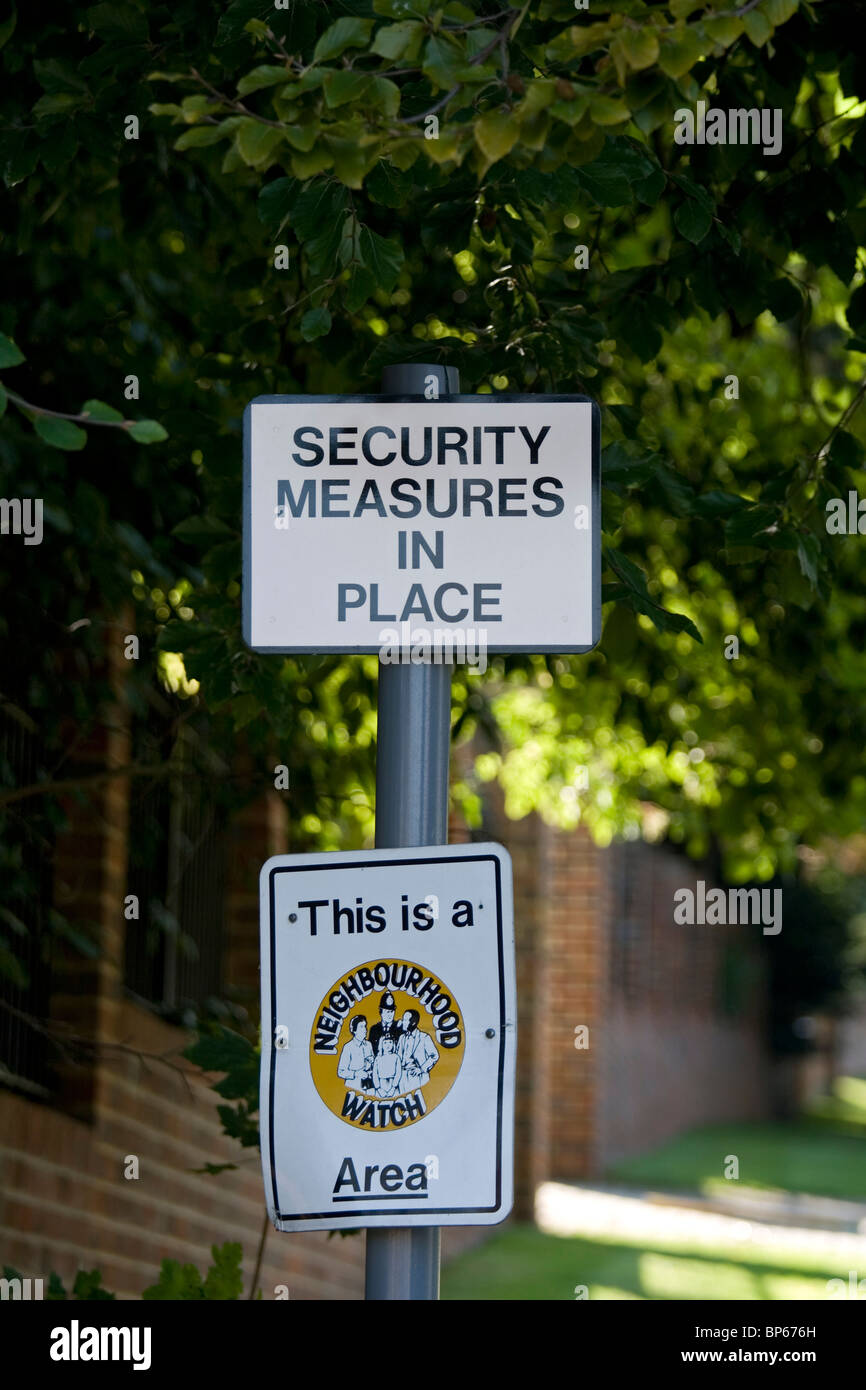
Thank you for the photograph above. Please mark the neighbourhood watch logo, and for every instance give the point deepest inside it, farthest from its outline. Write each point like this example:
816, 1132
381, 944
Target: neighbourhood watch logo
386, 1045
734, 127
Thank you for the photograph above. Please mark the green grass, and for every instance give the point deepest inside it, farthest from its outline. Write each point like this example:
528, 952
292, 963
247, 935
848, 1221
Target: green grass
845, 1110
523, 1263
824, 1153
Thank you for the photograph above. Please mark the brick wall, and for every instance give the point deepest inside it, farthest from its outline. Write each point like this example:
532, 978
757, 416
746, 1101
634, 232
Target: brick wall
684, 1040
674, 1013
66, 1204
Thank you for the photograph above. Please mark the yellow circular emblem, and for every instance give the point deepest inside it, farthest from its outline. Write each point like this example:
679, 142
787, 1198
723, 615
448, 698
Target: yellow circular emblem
386, 1044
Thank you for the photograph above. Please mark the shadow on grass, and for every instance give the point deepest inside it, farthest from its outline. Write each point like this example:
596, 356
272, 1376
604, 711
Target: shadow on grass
525, 1264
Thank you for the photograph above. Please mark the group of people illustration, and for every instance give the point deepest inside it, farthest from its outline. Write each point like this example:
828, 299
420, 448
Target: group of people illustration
395, 1059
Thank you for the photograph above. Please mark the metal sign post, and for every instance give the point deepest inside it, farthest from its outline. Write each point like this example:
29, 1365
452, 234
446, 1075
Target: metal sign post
412, 761
413, 755
337, 1087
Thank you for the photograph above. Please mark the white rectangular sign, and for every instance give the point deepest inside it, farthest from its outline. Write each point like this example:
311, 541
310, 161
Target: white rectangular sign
376, 522
388, 1037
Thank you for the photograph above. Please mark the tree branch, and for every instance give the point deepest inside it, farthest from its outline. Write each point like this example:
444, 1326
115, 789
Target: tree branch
500, 38
85, 419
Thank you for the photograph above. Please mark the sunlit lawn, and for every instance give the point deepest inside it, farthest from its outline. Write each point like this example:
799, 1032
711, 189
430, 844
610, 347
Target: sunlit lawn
823, 1154
524, 1263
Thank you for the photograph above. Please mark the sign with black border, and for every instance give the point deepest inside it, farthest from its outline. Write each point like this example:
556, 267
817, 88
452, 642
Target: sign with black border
388, 1037
382, 522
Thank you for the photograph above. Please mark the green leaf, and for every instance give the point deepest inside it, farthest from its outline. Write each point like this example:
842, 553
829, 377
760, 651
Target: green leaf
60, 434
57, 103
382, 257
307, 166
352, 160
318, 206
718, 504
361, 285
315, 324
679, 51
224, 1281
695, 190
384, 95
10, 353
303, 137
275, 202
7, 28
341, 87
202, 530
166, 108
98, 410
88, 1287
200, 135
223, 1050
118, 23
846, 450
752, 527
402, 40
256, 143
779, 11
636, 583
323, 250
178, 1283
147, 432
641, 47
608, 110
496, 133
267, 75
618, 466
724, 29
692, 220
758, 28
609, 187
58, 75
443, 62
344, 33
679, 494
21, 156
245, 708
649, 189
388, 185
3, 400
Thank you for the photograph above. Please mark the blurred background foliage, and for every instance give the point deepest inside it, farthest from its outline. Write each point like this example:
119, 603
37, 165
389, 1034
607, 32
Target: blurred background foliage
304, 127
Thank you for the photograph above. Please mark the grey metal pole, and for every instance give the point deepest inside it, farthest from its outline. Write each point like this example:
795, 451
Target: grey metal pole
413, 748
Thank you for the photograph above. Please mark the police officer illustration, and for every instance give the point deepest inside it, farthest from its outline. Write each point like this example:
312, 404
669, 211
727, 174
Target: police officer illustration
387, 1027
